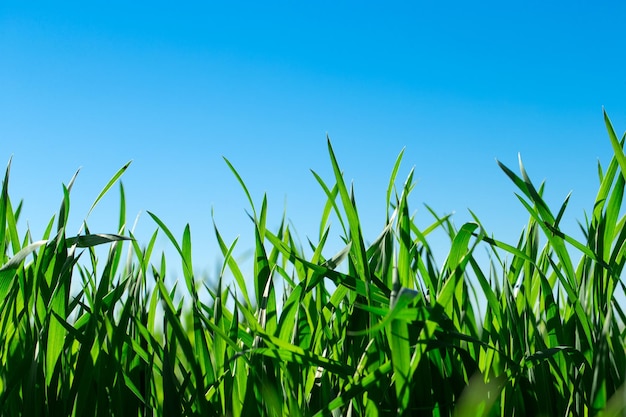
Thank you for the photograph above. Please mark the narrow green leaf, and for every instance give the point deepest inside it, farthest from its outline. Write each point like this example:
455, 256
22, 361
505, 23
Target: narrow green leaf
106, 188
331, 196
392, 178
460, 245
90, 240
358, 247
618, 151
243, 186
4, 202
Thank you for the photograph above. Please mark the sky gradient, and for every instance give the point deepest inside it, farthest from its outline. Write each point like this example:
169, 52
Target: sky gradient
176, 88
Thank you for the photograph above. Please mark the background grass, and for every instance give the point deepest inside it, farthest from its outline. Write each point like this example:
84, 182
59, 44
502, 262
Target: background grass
376, 329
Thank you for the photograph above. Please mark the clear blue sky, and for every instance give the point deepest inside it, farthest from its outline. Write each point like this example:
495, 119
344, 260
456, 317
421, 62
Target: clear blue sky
175, 87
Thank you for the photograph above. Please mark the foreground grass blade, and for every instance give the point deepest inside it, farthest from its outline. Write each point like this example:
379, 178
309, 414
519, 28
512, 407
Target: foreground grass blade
4, 205
108, 186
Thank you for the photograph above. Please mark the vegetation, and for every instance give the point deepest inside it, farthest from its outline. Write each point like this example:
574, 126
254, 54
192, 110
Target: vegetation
371, 330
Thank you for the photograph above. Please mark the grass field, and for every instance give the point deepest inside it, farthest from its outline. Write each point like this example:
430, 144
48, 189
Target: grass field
371, 330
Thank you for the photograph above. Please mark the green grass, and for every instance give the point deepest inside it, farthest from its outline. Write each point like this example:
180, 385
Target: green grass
370, 330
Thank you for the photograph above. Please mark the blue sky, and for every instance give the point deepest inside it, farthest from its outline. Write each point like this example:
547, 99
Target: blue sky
177, 87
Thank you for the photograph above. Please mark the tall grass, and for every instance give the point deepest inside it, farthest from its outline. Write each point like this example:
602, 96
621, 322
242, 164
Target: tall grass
371, 330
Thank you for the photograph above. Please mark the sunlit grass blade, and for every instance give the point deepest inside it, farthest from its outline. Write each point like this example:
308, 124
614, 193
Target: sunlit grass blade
95, 239
358, 247
331, 197
392, 180
108, 186
4, 206
617, 145
7, 271
243, 186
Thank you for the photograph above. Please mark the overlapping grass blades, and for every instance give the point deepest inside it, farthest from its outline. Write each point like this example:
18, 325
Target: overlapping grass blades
373, 329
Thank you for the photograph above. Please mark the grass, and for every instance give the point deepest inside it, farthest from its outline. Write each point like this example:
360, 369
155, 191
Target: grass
371, 330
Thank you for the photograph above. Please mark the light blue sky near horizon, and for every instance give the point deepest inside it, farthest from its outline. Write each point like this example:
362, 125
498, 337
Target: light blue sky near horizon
177, 87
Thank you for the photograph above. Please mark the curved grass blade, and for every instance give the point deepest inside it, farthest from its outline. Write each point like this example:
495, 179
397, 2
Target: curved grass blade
4, 202
243, 185
392, 179
7, 271
106, 188
95, 239
617, 146
331, 196
358, 247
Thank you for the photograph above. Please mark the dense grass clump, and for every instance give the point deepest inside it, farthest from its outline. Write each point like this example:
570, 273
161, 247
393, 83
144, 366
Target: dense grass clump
372, 330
